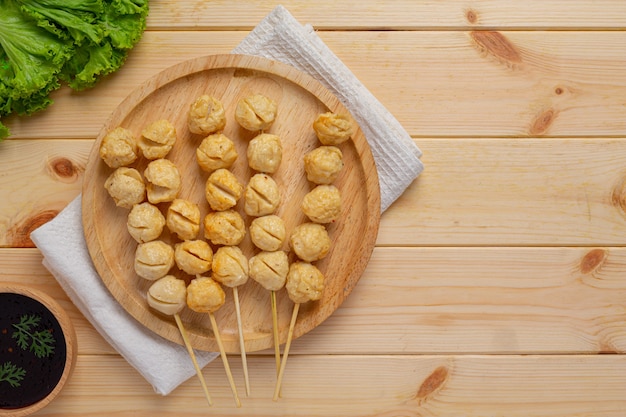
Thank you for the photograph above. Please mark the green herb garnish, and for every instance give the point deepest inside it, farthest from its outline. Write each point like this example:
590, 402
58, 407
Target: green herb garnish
41, 342
12, 374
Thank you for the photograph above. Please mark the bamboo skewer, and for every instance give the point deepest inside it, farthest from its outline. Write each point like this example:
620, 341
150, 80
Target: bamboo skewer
283, 363
242, 345
275, 331
183, 333
229, 374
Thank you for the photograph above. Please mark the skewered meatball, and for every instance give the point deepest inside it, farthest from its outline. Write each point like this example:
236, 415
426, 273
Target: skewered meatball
268, 232
224, 227
230, 266
322, 204
333, 129
304, 282
153, 259
222, 190
204, 295
145, 222
215, 152
256, 112
310, 241
163, 181
194, 257
206, 115
157, 139
265, 152
167, 295
262, 196
323, 164
183, 219
126, 187
118, 148
270, 269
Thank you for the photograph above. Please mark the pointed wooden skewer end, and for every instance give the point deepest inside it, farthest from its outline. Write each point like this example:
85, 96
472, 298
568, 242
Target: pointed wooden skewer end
229, 374
283, 363
183, 333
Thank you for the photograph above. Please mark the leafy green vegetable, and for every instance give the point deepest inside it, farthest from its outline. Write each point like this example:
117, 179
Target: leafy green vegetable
41, 342
12, 374
44, 43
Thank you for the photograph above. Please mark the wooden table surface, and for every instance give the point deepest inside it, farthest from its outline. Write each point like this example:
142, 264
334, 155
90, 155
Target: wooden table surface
498, 283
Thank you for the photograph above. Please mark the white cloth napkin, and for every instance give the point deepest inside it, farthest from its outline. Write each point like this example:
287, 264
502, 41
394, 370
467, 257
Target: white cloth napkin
164, 364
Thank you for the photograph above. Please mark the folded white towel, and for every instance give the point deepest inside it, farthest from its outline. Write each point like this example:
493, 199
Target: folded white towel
164, 364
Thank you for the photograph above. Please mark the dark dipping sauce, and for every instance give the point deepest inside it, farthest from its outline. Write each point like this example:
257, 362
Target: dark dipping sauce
28, 375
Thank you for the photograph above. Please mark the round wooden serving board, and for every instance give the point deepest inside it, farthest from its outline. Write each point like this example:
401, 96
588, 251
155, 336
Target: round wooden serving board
300, 99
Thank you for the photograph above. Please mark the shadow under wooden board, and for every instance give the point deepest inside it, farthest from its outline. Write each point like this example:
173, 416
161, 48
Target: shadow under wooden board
300, 98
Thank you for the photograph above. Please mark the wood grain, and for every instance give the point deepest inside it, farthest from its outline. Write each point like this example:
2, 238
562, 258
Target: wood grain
300, 100
444, 84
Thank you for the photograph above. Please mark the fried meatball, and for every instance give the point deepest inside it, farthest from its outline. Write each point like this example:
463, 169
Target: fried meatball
118, 148
153, 259
157, 139
194, 257
333, 129
215, 152
183, 219
163, 181
323, 164
126, 187
204, 295
145, 222
262, 196
222, 190
269, 269
224, 227
322, 204
310, 241
268, 232
265, 152
206, 115
230, 266
304, 282
256, 112
168, 295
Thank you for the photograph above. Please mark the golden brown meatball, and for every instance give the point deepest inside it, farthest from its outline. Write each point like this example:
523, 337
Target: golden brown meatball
118, 148
224, 227
323, 164
183, 219
215, 152
222, 190
269, 269
322, 204
230, 266
153, 259
204, 295
126, 187
268, 232
265, 152
304, 282
168, 295
333, 129
157, 139
145, 222
206, 115
262, 196
256, 112
310, 241
163, 181
194, 257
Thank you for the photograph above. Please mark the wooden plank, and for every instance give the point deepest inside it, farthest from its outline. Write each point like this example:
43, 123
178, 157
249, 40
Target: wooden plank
444, 300
486, 192
346, 385
451, 83
396, 15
